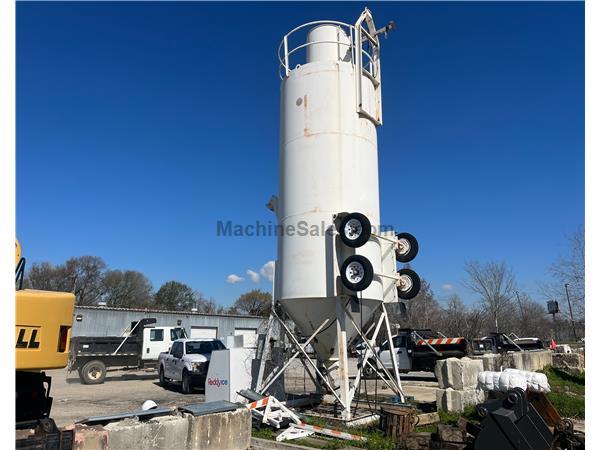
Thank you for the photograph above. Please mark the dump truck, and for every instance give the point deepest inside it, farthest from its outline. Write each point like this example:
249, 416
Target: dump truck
500, 343
137, 348
417, 350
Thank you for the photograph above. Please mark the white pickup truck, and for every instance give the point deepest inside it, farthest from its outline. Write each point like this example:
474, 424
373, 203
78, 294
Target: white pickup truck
187, 362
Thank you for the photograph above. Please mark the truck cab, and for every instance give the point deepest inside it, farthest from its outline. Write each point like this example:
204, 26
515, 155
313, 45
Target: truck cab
417, 350
159, 339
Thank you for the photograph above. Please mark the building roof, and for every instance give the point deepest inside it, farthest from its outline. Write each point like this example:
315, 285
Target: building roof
164, 311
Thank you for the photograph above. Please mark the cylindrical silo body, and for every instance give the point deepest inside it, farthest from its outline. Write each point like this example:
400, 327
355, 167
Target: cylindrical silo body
328, 165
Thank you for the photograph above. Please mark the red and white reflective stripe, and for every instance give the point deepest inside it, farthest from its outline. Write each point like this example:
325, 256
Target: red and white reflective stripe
330, 432
441, 341
258, 403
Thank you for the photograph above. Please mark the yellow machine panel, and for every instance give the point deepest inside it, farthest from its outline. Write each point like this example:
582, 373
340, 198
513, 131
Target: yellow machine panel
43, 329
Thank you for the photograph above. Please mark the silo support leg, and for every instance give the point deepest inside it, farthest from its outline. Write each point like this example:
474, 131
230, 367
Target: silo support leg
393, 352
310, 361
346, 400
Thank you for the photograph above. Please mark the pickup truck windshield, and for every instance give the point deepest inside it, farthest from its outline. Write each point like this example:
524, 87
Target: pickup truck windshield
197, 348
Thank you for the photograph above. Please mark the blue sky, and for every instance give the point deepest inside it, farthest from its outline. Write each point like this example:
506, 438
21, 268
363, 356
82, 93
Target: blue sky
139, 126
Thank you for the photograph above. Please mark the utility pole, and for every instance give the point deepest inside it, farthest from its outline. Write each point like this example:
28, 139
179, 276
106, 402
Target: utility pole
520, 305
570, 310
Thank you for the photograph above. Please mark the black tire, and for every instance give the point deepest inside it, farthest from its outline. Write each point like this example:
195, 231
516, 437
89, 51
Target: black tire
415, 284
413, 248
186, 383
355, 230
357, 273
162, 381
93, 372
368, 371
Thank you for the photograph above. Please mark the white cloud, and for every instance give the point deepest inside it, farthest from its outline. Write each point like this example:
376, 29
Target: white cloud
254, 276
268, 270
233, 279
447, 287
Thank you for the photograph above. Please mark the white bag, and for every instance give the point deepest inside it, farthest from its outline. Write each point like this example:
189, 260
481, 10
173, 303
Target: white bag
500, 381
536, 382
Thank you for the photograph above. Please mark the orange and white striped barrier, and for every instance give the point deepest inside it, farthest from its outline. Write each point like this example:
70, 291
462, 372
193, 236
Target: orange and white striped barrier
258, 403
329, 432
440, 341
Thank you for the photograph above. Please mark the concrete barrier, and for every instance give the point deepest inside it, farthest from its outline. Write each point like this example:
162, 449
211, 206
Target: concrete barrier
533, 360
231, 430
574, 361
159, 433
456, 400
226, 430
458, 373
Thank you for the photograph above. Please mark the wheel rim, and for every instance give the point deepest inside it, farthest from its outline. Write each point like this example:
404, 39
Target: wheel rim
94, 373
405, 246
355, 272
406, 283
353, 229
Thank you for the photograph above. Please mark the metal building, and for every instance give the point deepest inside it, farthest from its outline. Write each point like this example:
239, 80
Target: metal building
106, 321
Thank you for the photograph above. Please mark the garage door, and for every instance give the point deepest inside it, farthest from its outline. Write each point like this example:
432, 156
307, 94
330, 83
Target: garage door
204, 332
250, 331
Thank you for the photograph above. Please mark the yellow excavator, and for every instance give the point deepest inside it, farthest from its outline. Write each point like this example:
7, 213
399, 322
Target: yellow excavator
42, 334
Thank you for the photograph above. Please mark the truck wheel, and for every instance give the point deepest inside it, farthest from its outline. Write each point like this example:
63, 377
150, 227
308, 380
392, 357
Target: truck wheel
410, 284
357, 273
161, 377
186, 383
410, 247
93, 372
368, 371
355, 230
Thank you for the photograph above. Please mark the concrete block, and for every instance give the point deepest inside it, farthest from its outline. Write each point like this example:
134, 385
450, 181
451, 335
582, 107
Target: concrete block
418, 441
458, 373
228, 431
574, 361
563, 348
533, 361
167, 432
89, 438
448, 433
455, 400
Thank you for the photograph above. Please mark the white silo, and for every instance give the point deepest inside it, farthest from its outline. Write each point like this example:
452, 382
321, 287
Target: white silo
333, 261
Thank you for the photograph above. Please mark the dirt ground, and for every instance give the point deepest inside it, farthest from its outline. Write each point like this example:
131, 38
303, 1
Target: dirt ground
126, 391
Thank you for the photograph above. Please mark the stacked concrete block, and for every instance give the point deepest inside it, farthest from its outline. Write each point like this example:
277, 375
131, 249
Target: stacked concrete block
563, 348
230, 430
532, 361
573, 361
456, 401
457, 379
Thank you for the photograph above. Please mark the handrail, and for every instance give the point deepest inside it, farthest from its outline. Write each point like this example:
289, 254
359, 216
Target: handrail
284, 52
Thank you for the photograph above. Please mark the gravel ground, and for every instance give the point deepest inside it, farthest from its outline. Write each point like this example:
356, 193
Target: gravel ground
126, 391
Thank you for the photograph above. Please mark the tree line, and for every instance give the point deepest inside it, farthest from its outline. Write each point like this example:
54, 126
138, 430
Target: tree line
500, 304
93, 283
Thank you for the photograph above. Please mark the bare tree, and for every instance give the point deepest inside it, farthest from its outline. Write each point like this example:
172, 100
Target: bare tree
255, 303
423, 311
126, 289
569, 269
494, 283
82, 275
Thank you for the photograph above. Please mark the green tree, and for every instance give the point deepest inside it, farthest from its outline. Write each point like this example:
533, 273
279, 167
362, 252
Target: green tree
175, 296
254, 303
